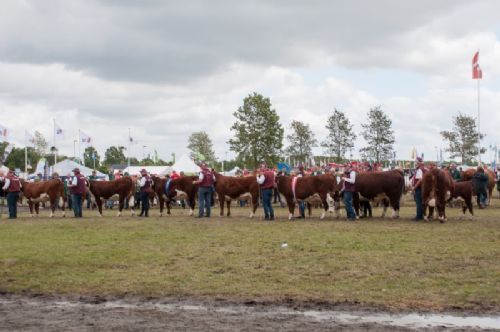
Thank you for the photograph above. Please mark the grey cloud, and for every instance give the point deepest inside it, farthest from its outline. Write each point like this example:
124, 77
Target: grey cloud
178, 41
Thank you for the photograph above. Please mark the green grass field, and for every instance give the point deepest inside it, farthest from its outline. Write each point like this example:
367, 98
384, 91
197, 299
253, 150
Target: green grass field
384, 263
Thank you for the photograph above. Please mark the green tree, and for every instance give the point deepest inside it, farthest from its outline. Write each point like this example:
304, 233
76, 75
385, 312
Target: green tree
147, 162
378, 135
88, 157
340, 137
464, 138
41, 144
201, 147
258, 132
114, 155
301, 141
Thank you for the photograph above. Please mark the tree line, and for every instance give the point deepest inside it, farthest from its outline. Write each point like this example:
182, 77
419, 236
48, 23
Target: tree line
259, 135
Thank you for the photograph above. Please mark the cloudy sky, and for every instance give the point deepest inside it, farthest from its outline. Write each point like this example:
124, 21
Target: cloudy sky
167, 68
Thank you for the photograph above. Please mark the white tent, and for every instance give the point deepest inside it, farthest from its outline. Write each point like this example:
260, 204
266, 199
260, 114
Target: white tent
186, 165
156, 170
66, 167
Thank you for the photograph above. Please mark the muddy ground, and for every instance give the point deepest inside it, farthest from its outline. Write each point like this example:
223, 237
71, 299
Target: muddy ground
36, 313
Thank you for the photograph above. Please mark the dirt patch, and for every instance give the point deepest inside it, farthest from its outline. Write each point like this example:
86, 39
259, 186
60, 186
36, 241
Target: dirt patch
131, 314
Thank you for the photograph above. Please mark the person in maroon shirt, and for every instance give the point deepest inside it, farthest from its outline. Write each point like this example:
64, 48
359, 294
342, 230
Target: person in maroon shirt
12, 187
206, 180
265, 178
77, 188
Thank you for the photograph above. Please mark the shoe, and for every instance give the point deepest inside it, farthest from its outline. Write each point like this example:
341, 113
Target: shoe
271, 218
417, 219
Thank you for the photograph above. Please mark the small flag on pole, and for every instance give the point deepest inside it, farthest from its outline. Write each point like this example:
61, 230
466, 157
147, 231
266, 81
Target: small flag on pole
4, 133
59, 133
30, 139
6, 152
84, 138
477, 73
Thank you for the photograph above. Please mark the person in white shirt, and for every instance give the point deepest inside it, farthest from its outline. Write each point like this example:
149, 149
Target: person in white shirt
417, 190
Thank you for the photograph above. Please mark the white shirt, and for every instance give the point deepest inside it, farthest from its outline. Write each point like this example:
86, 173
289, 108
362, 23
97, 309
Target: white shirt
351, 178
261, 178
7, 183
74, 182
142, 181
419, 174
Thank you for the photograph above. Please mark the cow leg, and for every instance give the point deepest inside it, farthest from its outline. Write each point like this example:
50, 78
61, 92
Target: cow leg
192, 203
385, 207
395, 208
99, 205
221, 206
161, 203
325, 205
30, 204
53, 202
355, 204
228, 204
255, 204
291, 208
309, 209
468, 203
63, 204
121, 204
37, 209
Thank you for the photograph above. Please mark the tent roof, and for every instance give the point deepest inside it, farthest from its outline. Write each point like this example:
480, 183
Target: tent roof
186, 165
158, 170
66, 166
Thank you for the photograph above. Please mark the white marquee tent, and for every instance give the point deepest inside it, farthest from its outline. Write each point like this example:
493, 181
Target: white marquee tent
156, 170
186, 165
66, 167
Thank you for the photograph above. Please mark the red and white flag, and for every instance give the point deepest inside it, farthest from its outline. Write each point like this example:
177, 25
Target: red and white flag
477, 73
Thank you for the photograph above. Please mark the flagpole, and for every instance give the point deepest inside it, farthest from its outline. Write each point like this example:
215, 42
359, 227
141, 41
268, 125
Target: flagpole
479, 122
25, 155
79, 147
55, 148
128, 149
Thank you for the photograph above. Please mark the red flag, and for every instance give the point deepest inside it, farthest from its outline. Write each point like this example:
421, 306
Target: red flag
477, 73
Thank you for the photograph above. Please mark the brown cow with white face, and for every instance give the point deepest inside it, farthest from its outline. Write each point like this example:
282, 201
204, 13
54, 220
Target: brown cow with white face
103, 190
387, 186
437, 187
240, 188
182, 188
297, 189
44, 191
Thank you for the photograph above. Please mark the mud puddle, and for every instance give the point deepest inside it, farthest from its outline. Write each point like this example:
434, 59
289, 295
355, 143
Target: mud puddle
54, 314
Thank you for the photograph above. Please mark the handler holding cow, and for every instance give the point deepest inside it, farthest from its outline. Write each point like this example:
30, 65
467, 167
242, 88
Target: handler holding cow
77, 188
205, 181
12, 187
265, 179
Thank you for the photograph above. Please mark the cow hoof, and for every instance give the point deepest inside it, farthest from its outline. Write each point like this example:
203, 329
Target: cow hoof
31, 216
322, 216
51, 215
251, 215
64, 215
100, 215
119, 214
161, 214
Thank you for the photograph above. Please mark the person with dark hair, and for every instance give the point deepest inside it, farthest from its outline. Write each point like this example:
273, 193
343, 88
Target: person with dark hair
480, 184
349, 189
12, 186
265, 178
77, 188
145, 190
206, 180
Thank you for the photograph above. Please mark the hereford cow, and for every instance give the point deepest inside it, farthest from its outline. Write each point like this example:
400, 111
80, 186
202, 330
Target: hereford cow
296, 189
464, 191
182, 188
437, 187
43, 191
387, 187
104, 190
468, 174
240, 188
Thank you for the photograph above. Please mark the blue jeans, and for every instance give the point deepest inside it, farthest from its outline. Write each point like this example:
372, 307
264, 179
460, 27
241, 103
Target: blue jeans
418, 202
302, 209
204, 201
351, 215
267, 196
12, 198
482, 198
77, 205
144, 203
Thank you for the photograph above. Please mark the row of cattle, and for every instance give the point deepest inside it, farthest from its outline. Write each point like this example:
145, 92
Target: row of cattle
387, 187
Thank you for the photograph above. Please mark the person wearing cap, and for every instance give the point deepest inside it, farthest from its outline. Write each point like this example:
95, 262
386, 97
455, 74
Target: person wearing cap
12, 186
144, 190
77, 188
265, 178
206, 180
349, 190
416, 182
480, 185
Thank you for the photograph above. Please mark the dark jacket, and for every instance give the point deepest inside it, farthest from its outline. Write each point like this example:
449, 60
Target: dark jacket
480, 182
